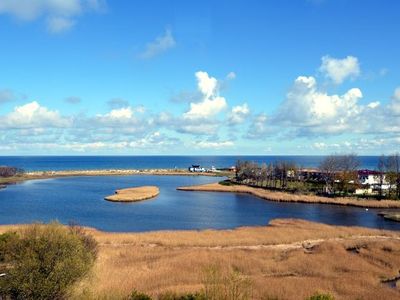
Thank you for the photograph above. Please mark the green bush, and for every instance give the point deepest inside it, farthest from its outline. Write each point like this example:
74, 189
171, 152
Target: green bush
227, 182
321, 296
135, 295
43, 261
190, 296
6, 239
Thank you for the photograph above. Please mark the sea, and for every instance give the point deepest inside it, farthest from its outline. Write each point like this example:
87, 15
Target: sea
56, 163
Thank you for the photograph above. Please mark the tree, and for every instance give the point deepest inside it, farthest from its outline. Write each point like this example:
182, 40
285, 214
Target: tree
348, 171
43, 261
10, 171
329, 168
393, 172
381, 173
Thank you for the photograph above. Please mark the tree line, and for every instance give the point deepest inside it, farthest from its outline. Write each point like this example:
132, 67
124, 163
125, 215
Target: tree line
6, 171
335, 175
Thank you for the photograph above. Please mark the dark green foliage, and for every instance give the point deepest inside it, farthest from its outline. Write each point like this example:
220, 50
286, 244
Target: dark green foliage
190, 296
135, 295
44, 260
321, 296
227, 183
6, 240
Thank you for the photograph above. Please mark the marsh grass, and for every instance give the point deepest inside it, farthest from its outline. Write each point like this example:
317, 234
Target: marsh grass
157, 263
280, 196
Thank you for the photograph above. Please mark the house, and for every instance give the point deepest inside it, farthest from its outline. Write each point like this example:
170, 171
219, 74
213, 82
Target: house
371, 182
196, 168
372, 178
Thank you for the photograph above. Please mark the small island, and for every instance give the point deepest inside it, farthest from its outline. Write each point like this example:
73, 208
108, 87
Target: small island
134, 194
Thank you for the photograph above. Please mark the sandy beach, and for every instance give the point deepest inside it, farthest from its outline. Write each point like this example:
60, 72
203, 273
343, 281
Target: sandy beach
288, 197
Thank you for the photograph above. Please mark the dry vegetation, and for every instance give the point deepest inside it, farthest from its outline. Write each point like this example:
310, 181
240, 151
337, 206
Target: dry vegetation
288, 197
290, 259
134, 194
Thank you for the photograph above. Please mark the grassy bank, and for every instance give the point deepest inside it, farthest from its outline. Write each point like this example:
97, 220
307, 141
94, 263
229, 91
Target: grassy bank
290, 259
289, 197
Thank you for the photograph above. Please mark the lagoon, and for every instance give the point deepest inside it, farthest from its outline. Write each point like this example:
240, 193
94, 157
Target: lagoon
81, 200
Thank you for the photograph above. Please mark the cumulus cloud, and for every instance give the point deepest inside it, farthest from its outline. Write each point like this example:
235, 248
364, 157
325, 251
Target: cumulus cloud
238, 114
155, 139
159, 45
213, 144
339, 70
316, 111
211, 103
396, 94
394, 106
60, 15
259, 128
33, 115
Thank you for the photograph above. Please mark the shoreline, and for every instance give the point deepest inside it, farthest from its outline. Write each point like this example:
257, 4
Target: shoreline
34, 175
288, 197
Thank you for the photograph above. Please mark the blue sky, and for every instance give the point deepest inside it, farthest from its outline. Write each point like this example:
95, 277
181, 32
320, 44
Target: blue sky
199, 77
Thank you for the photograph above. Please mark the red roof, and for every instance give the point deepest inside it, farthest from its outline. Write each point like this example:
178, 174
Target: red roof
367, 172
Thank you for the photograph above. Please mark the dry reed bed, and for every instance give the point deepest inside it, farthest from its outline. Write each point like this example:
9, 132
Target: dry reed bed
157, 262
134, 194
287, 197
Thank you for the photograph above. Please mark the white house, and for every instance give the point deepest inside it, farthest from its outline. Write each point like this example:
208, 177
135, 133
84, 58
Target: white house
371, 181
196, 168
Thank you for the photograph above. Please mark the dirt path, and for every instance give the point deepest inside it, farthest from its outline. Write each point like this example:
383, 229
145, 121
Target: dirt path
305, 244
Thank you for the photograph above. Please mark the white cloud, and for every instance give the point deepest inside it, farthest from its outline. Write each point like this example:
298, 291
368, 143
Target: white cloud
396, 95
394, 106
59, 24
211, 104
213, 145
155, 139
60, 15
238, 114
159, 45
231, 76
374, 104
259, 127
316, 111
339, 70
121, 113
32, 115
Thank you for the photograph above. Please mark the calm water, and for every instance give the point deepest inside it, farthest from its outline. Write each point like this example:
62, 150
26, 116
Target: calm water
80, 199
45, 163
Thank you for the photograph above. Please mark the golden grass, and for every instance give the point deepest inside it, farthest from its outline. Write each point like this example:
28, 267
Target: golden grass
288, 197
290, 259
134, 194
